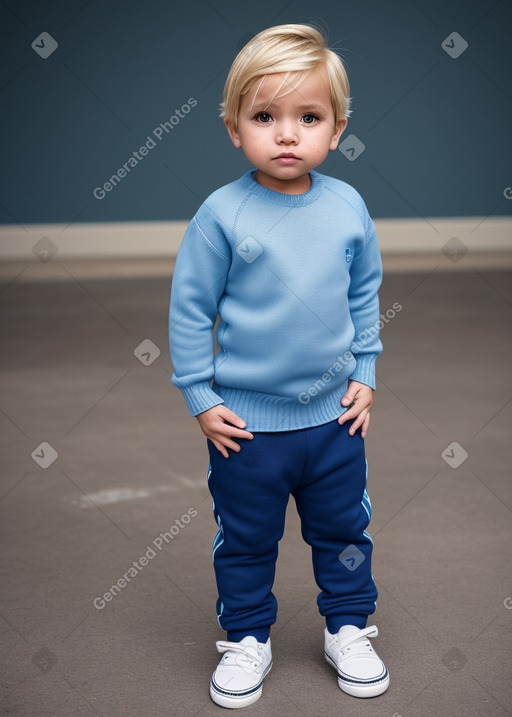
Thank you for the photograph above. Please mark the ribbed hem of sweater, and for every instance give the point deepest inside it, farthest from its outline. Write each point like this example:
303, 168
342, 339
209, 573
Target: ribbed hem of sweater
364, 371
199, 397
263, 412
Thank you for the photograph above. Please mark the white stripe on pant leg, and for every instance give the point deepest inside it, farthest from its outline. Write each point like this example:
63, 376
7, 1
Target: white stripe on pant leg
217, 542
219, 538
220, 613
365, 502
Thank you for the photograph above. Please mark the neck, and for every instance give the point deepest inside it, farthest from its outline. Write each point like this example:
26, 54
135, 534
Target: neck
300, 185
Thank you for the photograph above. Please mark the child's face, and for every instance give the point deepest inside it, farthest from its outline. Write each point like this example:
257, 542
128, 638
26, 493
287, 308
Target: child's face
285, 138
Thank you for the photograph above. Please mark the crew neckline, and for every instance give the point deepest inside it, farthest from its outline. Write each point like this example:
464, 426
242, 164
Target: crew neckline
290, 200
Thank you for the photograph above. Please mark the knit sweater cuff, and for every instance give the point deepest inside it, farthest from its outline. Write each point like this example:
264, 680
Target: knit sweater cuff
199, 397
365, 370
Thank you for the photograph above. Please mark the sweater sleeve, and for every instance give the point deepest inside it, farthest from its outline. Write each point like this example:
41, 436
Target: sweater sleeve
198, 282
366, 277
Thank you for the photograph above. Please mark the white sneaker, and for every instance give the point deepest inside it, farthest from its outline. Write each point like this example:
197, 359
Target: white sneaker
361, 672
238, 679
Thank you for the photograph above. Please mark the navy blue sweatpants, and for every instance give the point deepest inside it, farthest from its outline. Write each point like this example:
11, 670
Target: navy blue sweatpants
324, 468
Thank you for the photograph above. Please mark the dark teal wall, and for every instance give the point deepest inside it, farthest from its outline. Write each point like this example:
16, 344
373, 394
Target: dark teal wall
437, 130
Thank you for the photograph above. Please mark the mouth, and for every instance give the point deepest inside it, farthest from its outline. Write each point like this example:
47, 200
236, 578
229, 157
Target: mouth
287, 158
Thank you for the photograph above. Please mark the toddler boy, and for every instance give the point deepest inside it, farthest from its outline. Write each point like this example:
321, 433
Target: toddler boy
288, 259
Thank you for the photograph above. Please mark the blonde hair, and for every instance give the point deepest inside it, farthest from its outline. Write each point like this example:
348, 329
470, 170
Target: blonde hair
284, 49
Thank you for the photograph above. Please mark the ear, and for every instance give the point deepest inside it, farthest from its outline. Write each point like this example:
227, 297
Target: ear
233, 133
339, 129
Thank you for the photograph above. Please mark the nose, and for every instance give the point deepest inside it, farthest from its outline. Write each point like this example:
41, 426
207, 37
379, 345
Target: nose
286, 133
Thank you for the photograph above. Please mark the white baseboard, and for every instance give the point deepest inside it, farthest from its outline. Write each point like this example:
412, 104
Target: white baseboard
119, 240
478, 234
126, 240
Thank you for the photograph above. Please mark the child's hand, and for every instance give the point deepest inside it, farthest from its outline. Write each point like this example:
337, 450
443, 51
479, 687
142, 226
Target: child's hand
215, 424
361, 396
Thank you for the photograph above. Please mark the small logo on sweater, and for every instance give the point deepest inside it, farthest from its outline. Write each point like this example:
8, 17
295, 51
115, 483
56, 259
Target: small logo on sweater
249, 249
348, 255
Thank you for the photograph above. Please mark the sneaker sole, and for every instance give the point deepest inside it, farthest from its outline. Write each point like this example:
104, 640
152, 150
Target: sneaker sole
235, 700
372, 688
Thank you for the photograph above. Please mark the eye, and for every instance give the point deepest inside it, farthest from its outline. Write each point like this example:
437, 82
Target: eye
309, 118
263, 117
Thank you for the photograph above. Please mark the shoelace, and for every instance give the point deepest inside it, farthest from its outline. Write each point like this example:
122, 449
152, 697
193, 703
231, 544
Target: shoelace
360, 639
244, 655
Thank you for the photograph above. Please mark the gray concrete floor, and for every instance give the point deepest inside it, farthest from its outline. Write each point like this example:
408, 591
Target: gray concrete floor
131, 462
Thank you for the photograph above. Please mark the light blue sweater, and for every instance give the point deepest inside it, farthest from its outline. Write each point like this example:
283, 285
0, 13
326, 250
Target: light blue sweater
294, 281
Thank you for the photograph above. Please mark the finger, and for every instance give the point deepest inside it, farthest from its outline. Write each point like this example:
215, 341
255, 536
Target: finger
226, 430
348, 397
366, 423
228, 443
356, 424
348, 415
220, 448
232, 417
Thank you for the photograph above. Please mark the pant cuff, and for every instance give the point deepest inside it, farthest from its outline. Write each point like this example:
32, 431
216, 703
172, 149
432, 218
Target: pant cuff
260, 633
334, 622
